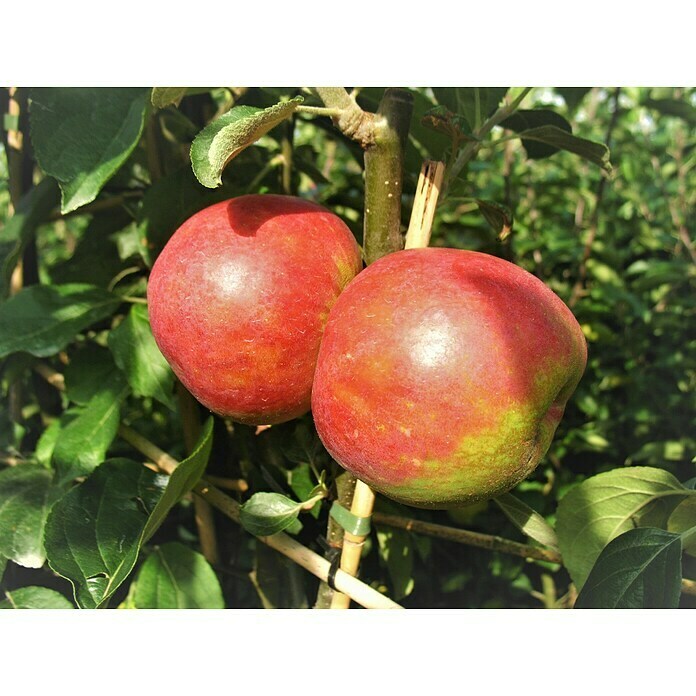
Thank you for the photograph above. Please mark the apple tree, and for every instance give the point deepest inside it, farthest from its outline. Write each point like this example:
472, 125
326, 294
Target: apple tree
119, 488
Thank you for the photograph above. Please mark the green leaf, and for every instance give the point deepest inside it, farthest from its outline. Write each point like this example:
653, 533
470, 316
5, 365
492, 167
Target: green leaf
572, 96
27, 492
596, 511
223, 139
279, 582
47, 441
83, 135
268, 513
82, 445
176, 577
94, 535
396, 551
94, 532
182, 480
164, 96
137, 355
528, 521
560, 140
32, 210
44, 319
498, 216
34, 597
682, 519
90, 370
640, 569
544, 132
475, 104
674, 107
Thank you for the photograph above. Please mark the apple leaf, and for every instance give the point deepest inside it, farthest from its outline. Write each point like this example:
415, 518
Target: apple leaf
527, 520
176, 577
90, 369
183, 479
498, 216
544, 132
278, 580
34, 597
674, 107
600, 508
82, 444
265, 514
164, 96
640, 569
137, 355
396, 552
44, 319
95, 532
473, 103
32, 210
82, 135
27, 492
557, 138
223, 139
682, 519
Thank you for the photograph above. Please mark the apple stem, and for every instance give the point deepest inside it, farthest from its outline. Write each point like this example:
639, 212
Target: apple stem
424, 204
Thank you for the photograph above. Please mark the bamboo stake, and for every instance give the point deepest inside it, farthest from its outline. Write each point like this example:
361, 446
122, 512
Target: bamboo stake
361, 593
417, 237
424, 204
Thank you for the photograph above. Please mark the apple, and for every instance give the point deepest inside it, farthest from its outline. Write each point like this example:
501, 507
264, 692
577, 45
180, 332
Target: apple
443, 374
239, 297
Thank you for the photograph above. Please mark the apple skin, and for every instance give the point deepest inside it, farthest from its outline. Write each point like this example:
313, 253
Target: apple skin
239, 297
443, 374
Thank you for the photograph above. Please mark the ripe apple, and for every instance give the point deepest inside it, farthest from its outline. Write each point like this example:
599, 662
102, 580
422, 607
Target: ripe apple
239, 297
443, 374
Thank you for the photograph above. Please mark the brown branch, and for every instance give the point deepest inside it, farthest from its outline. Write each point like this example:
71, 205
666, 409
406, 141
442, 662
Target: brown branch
463, 536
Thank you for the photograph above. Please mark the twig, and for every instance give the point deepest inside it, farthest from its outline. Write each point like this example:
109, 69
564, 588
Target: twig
361, 593
464, 536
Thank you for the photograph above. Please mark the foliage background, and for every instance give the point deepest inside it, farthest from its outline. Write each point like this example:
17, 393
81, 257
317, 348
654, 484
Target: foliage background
618, 250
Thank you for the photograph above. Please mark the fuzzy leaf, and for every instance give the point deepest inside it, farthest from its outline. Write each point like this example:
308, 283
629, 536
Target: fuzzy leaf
268, 513
164, 96
224, 138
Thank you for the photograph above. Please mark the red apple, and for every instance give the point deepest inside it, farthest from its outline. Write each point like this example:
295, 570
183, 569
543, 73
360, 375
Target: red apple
239, 297
443, 374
